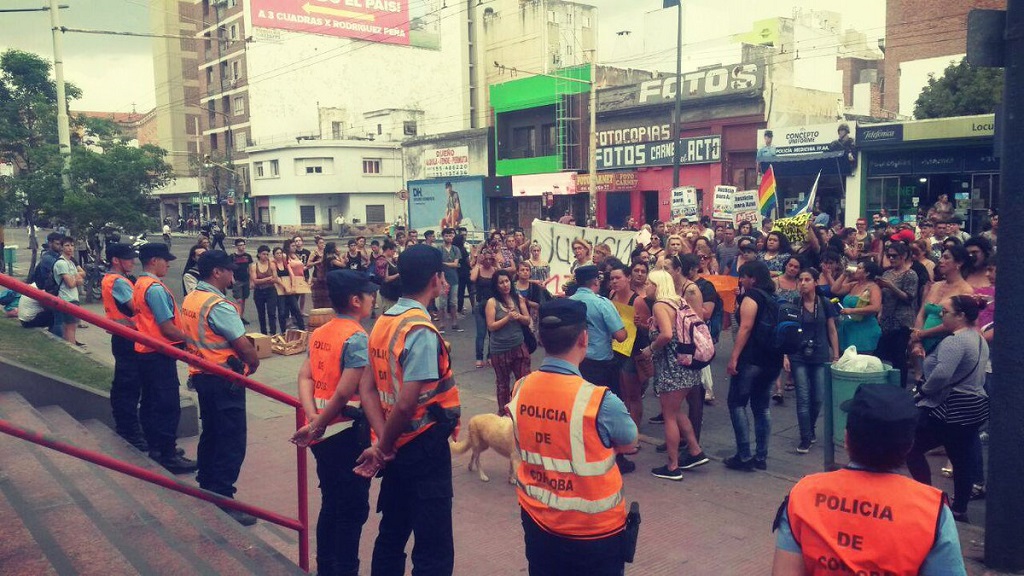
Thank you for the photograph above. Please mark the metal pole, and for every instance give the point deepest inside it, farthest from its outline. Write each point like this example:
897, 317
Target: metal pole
302, 482
202, 181
678, 132
1004, 508
592, 161
63, 122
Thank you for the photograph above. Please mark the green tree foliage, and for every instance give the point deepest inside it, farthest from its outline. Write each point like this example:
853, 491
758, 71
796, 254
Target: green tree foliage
962, 90
114, 186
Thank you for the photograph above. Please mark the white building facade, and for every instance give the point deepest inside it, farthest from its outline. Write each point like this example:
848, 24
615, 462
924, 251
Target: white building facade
307, 185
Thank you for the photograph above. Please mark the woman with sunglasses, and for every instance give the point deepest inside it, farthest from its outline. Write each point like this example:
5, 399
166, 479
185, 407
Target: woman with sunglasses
655, 250
899, 308
953, 399
706, 255
581, 249
862, 301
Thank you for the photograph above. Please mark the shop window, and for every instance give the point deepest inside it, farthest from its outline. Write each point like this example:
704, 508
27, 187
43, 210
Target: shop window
307, 215
548, 140
524, 142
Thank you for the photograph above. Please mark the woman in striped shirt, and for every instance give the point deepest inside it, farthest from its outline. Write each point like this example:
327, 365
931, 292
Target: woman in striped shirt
952, 399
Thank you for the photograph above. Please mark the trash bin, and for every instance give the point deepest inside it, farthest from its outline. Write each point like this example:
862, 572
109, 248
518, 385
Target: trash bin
844, 384
10, 258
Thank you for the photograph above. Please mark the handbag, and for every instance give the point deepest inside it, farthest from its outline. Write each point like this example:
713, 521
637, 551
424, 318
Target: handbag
529, 339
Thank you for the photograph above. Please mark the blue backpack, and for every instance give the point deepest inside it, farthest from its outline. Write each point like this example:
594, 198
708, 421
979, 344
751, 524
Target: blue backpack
778, 327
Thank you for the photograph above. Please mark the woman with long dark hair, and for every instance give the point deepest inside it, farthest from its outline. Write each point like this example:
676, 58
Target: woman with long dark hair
264, 296
952, 399
481, 275
776, 252
287, 299
753, 368
929, 329
861, 301
506, 315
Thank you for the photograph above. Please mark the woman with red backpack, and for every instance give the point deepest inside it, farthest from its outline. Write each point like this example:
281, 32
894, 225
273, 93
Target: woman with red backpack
672, 380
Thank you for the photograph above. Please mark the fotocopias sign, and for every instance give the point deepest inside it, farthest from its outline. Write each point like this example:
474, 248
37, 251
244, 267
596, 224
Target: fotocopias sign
384, 21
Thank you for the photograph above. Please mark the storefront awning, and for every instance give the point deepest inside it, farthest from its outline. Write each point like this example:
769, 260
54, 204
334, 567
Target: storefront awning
810, 164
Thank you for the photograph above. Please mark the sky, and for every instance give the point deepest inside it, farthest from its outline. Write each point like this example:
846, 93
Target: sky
115, 73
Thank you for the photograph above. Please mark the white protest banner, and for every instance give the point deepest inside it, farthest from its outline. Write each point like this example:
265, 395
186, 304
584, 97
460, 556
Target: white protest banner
684, 202
556, 247
744, 207
721, 207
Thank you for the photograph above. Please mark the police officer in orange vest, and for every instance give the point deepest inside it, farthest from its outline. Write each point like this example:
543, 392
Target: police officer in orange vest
213, 330
329, 391
414, 390
868, 518
568, 432
156, 315
116, 292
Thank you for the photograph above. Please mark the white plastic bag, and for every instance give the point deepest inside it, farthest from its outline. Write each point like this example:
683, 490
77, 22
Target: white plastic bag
850, 361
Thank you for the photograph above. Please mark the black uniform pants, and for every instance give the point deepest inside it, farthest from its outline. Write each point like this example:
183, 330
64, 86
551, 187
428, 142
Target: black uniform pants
601, 373
553, 555
416, 498
126, 387
159, 403
345, 504
222, 441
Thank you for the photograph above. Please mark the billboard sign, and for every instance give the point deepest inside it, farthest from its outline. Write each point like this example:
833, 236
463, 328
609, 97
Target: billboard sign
738, 79
432, 206
799, 140
446, 162
384, 21
699, 150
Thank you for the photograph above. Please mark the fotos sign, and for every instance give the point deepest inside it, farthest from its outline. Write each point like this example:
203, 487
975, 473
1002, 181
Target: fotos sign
385, 21
556, 247
699, 150
445, 162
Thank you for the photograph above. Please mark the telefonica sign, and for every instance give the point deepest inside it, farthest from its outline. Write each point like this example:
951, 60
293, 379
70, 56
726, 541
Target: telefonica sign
936, 129
708, 83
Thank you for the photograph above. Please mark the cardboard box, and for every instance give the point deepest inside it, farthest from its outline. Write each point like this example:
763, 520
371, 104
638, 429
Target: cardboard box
262, 344
292, 342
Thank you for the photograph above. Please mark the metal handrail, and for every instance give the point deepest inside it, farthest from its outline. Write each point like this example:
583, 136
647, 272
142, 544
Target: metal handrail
301, 524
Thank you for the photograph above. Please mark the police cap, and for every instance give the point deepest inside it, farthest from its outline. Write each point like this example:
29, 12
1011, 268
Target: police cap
562, 312
880, 407
586, 274
351, 281
120, 250
155, 250
213, 259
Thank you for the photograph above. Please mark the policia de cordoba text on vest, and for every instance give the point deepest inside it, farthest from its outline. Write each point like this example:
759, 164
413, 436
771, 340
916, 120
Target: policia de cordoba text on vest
854, 506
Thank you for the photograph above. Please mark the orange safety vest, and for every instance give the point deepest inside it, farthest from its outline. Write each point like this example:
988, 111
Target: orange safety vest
144, 320
107, 293
568, 481
199, 338
326, 345
387, 343
860, 522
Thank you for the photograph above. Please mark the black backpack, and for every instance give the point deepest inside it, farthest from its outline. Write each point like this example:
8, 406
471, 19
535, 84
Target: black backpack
778, 326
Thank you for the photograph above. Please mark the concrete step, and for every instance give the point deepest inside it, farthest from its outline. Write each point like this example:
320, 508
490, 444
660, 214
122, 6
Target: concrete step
49, 506
61, 515
213, 531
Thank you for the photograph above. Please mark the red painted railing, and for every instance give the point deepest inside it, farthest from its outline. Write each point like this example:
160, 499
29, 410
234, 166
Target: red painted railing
301, 524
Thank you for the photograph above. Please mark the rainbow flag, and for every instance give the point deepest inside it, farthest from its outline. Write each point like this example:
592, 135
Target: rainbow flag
766, 198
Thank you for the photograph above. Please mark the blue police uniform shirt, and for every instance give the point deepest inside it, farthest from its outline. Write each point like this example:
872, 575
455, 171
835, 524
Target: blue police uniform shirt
223, 317
943, 559
603, 320
422, 346
615, 427
356, 351
122, 290
160, 301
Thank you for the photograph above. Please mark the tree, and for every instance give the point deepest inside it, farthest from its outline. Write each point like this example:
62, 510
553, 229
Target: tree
114, 186
962, 90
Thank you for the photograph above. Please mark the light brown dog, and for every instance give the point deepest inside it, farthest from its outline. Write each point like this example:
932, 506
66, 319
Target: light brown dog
489, 431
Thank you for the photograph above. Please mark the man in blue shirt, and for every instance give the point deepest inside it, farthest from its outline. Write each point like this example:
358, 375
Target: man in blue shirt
117, 290
213, 330
603, 324
909, 528
42, 276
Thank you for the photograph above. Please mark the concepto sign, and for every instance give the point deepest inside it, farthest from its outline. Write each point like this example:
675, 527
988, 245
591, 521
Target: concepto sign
385, 21
699, 150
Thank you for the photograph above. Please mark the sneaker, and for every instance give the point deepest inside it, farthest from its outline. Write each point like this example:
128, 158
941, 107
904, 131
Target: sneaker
734, 463
761, 464
778, 398
243, 518
664, 472
804, 447
441, 331
691, 462
814, 439
458, 329
625, 466
659, 419
978, 492
709, 399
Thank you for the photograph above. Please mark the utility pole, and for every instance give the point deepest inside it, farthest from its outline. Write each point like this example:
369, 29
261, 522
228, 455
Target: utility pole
63, 122
592, 160
1004, 508
678, 132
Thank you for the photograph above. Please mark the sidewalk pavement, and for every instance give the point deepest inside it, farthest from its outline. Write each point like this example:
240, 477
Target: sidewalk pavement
716, 521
